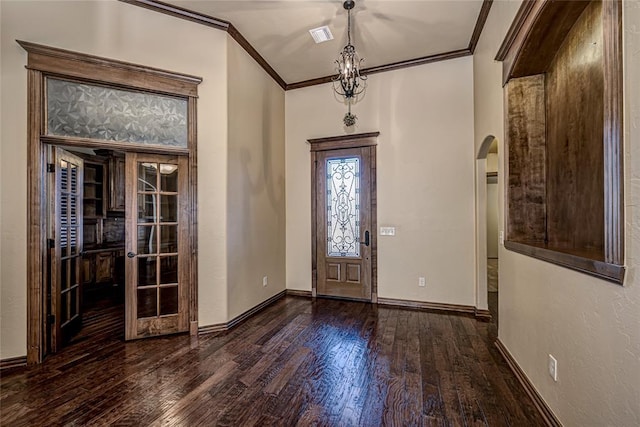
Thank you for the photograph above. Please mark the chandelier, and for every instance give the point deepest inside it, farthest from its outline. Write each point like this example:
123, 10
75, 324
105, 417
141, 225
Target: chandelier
348, 83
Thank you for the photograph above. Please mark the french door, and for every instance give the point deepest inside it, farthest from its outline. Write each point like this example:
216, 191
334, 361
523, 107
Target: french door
343, 223
157, 244
65, 172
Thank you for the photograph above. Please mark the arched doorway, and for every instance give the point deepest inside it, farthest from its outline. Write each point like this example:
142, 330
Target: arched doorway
487, 226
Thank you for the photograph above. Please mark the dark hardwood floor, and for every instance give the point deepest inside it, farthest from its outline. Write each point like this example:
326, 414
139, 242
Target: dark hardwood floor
298, 362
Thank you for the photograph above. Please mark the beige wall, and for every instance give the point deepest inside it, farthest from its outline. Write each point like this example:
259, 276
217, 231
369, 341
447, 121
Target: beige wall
492, 220
255, 183
425, 177
120, 31
592, 327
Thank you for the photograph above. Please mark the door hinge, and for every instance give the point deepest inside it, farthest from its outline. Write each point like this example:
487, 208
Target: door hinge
51, 319
51, 168
51, 243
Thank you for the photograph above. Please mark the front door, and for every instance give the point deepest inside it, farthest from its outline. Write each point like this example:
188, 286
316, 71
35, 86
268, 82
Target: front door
65, 246
343, 223
157, 242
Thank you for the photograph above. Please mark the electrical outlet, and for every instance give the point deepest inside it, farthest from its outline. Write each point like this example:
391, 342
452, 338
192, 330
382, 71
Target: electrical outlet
553, 368
422, 282
265, 280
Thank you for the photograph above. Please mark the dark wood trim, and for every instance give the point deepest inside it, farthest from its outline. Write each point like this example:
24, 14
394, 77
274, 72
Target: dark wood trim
210, 21
538, 37
344, 141
57, 61
314, 227
542, 407
601, 269
426, 305
299, 293
373, 182
478, 313
193, 213
113, 145
514, 29
36, 231
13, 362
238, 37
180, 12
244, 316
388, 67
613, 133
222, 327
482, 19
482, 314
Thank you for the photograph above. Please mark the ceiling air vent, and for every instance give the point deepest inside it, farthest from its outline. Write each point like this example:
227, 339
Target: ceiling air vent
321, 34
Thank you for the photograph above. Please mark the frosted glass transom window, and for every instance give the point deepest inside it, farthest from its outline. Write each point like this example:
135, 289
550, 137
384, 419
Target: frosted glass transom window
90, 111
343, 207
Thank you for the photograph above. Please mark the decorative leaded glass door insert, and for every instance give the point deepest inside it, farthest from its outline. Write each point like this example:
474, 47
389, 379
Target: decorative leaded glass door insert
157, 241
343, 223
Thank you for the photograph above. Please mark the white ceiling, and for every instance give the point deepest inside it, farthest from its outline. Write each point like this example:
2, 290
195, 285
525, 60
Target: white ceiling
383, 31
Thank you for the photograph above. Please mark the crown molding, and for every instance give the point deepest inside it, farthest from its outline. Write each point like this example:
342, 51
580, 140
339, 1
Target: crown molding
514, 29
482, 19
210, 21
181, 12
388, 67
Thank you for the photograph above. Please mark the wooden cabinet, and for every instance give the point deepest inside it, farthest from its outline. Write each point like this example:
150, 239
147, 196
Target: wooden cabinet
116, 182
104, 267
94, 190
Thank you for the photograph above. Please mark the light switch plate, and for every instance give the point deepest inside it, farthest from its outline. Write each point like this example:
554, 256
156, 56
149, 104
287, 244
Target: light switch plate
387, 231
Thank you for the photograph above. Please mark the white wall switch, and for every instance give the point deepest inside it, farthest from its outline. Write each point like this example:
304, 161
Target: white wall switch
422, 282
387, 231
553, 368
501, 237
265, 280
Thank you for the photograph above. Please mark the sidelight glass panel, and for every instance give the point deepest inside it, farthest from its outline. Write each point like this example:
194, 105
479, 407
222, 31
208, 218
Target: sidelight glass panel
147, 271
343, 207
147, 302
168, 300
99, 112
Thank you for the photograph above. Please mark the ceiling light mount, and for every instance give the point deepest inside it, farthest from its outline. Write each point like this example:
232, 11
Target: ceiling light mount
348, 82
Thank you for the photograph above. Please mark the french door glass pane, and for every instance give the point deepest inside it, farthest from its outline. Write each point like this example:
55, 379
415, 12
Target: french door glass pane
147, 302
168, 300
343, 207
168, 178
168, 269
169, 208
168, 238
147, 177
147, 271
147, 239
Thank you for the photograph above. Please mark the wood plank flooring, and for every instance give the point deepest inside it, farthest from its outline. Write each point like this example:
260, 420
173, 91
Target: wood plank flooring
298, 362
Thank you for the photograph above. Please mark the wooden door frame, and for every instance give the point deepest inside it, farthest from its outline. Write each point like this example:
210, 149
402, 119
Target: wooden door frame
360, 140
42, 62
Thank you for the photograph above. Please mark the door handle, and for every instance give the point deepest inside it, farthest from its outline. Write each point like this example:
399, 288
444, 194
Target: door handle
131, 254
366, 238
